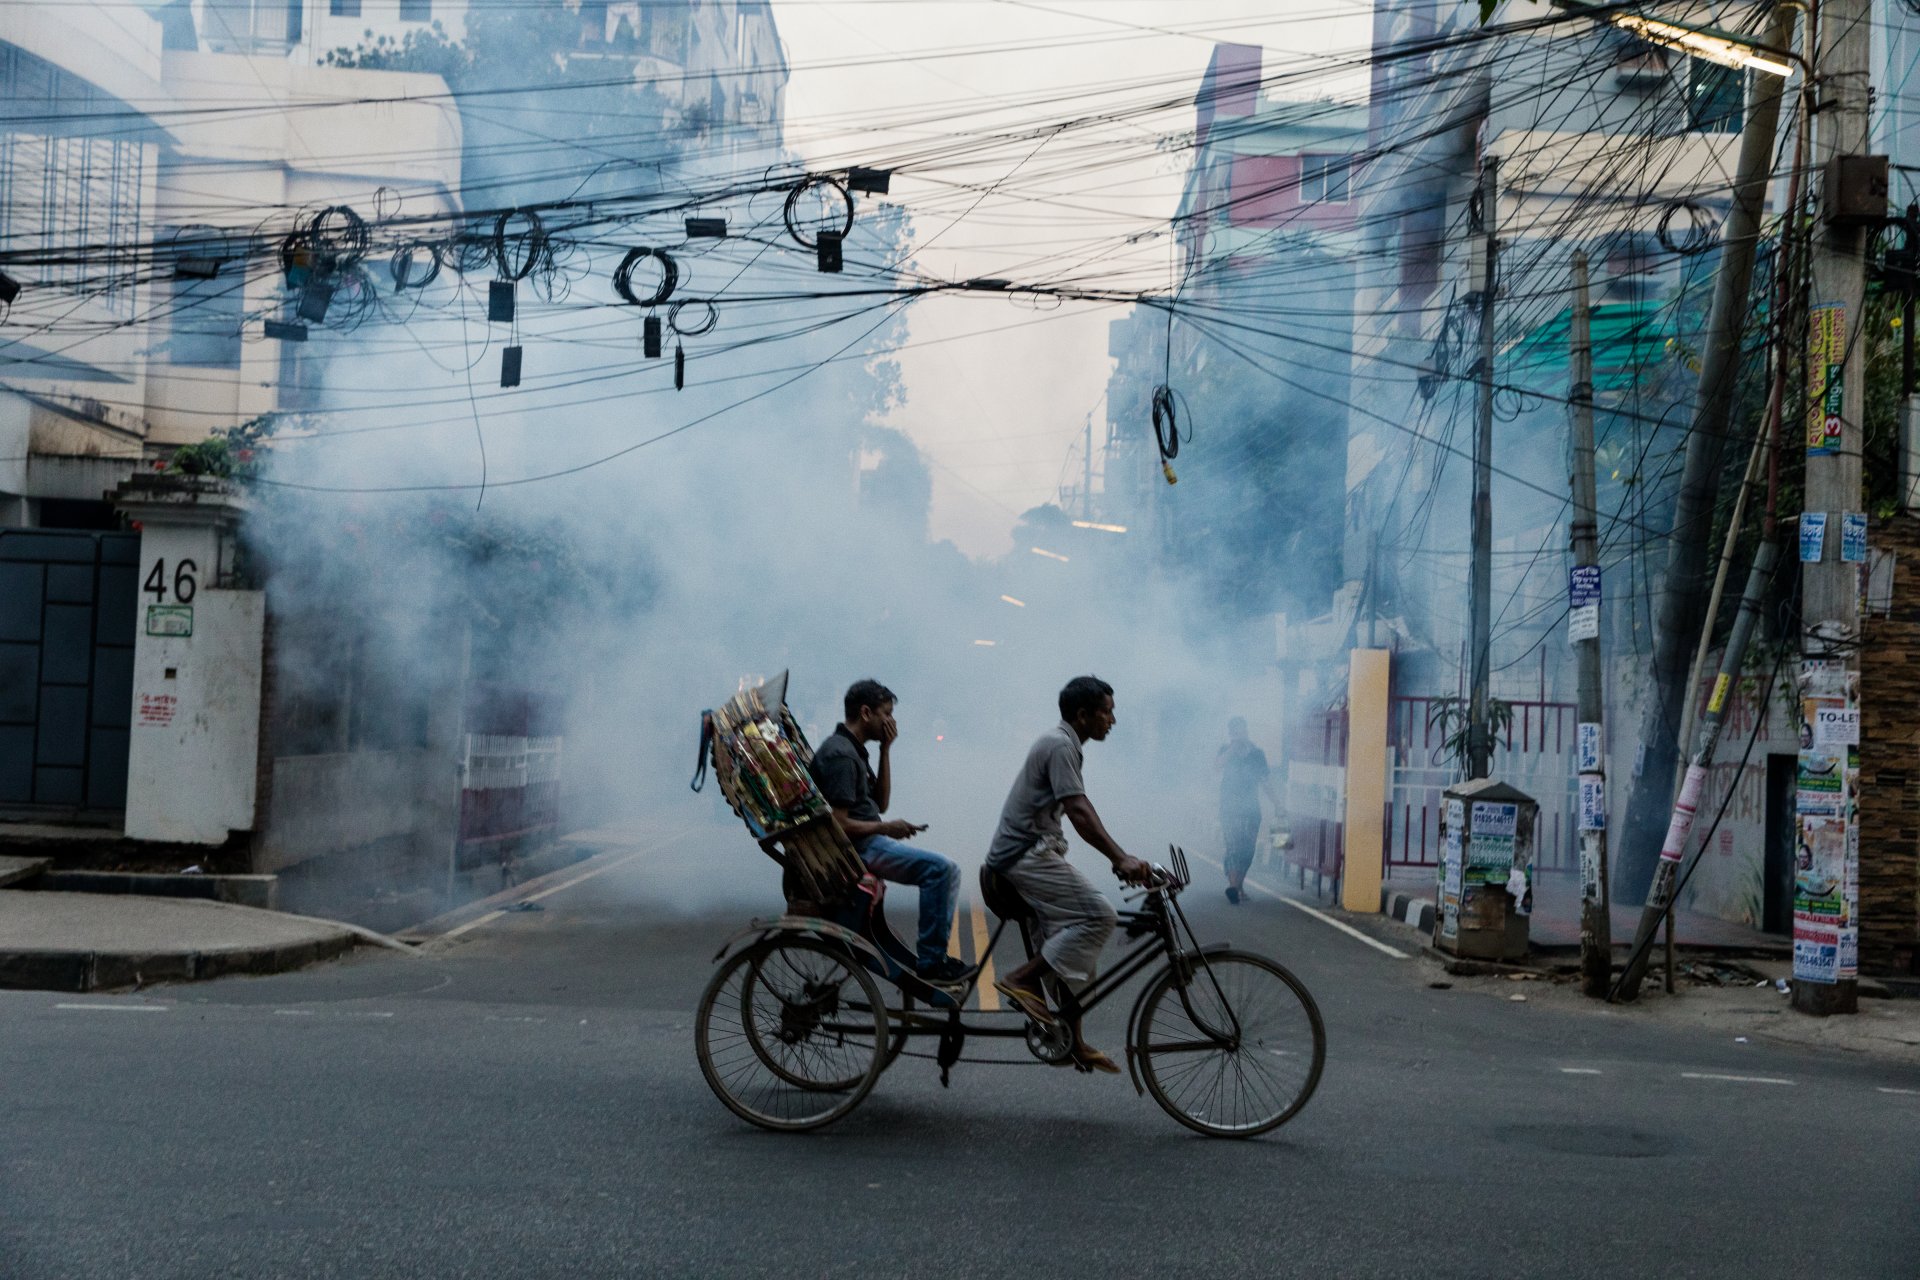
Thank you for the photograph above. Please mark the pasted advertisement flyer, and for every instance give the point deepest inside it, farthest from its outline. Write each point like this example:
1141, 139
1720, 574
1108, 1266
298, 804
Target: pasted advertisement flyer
1820, 869
1588, 748
1593, 802
1490, 840
1451, 869
1816, 950
1826, 371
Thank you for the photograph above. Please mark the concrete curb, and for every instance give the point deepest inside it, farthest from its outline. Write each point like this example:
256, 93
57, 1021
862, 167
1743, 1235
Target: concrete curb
244, 891
78, 971
1414, 910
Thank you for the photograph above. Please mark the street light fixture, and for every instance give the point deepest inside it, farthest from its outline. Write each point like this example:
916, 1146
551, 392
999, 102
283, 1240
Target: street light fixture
1725, 48
1104, 528
1702, 42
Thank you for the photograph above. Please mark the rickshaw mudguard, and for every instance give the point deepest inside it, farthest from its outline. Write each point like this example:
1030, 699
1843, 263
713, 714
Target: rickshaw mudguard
1133, 1018
809, 925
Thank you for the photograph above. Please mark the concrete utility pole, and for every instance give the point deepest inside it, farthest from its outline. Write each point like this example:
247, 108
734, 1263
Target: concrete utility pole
1086, 474
1596, 929
1480, 588
1683, 587
1824, 980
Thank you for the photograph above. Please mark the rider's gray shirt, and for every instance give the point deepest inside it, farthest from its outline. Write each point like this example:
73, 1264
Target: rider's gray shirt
1050, 775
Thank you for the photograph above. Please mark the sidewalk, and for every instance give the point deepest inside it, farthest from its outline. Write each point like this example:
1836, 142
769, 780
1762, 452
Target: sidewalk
1737, 1010
1556, 918
51, 941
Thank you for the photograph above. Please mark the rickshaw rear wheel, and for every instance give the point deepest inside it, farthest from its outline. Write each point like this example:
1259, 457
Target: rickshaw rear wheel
791, 1033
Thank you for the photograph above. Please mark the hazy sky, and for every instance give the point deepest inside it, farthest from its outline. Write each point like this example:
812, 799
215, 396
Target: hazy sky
998, 392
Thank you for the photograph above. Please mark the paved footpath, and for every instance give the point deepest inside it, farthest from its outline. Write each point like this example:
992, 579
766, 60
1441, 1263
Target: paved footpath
521, 1099
95, 941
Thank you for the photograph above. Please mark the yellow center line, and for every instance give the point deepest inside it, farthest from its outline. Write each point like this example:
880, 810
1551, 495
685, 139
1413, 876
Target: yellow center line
989, 998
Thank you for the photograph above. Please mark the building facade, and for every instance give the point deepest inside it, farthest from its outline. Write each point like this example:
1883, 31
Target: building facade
1254, 355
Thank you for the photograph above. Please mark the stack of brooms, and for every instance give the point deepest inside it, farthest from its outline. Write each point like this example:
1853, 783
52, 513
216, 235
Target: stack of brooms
760, 759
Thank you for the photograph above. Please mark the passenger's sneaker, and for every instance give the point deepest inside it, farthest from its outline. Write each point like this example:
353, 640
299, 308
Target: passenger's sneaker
945, 969
1233, 895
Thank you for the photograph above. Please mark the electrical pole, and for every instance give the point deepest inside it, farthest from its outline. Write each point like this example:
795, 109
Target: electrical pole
1480, 588
1826, 920
1596, 928
1683, 586
1086, 482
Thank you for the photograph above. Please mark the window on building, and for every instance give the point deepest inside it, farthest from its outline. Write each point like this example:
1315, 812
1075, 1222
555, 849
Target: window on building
666, 31
205, 317
302, 375
344, 8
1716, 96
60, 188
1325, 179
416, 10
593, 23
252, 26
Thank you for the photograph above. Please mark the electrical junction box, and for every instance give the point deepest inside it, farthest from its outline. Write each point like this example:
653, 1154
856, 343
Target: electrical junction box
1485, 894
1854, 191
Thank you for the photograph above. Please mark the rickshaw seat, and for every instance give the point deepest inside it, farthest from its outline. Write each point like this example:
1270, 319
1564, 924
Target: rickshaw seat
1002, 898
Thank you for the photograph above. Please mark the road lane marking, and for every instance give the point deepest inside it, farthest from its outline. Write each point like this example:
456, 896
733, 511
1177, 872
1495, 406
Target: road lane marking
1317, 914
116, 1008
1579, 1071
1715, 1075
989, 998
584, 876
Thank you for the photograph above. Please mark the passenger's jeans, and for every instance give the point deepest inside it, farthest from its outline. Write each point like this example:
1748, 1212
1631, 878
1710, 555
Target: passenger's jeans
937, 878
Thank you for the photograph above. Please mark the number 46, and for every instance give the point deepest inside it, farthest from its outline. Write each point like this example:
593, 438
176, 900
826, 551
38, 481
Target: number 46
184, 584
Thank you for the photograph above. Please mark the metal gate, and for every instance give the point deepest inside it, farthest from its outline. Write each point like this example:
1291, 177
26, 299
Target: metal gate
1535, 754
67, 605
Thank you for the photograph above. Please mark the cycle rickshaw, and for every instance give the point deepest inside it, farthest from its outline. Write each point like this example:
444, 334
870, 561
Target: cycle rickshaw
806, 1011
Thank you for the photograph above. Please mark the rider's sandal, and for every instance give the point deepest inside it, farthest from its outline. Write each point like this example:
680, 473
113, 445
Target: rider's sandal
1091, 1059
1028, 1001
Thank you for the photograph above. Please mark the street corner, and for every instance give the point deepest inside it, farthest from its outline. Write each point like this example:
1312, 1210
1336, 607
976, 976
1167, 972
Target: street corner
80, 942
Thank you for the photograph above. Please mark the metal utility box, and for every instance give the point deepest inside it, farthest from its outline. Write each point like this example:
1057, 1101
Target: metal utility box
1486, 870
1855, 191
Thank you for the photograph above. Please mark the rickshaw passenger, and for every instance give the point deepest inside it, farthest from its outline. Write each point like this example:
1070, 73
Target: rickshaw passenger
1030, 849
860, 796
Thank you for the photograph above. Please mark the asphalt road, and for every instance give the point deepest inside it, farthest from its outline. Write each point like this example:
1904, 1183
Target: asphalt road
524, 1101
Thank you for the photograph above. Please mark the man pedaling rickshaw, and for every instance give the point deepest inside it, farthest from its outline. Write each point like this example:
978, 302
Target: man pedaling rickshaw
1030, 850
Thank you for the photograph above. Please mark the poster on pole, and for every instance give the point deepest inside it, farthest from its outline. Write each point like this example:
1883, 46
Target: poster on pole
1583, 602
1853, 537
1816, 951
1593, 802
1588, 748
1813, 536
1826, 376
